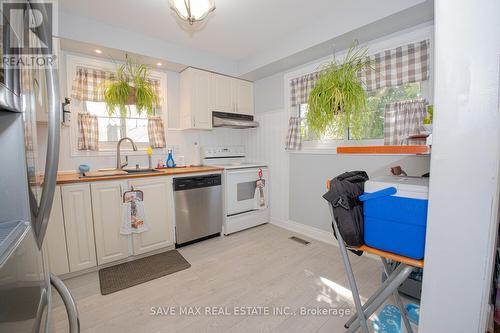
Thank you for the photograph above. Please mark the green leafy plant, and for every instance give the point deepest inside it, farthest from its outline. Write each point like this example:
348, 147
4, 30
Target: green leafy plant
131, 86
338, 101
428, 119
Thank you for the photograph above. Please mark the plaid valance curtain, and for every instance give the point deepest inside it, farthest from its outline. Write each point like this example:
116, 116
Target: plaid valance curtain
301, 87
403, 119
395, 67
89, 84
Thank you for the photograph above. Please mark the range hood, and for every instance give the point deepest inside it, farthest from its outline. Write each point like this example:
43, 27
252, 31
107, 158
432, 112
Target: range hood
233, 120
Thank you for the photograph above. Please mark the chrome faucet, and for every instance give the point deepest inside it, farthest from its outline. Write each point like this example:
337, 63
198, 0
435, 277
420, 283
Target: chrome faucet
119, 164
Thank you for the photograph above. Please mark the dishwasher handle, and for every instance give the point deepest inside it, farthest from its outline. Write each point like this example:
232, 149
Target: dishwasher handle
188, 183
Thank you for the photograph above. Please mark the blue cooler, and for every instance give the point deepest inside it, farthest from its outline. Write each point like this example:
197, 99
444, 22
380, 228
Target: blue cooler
395, 214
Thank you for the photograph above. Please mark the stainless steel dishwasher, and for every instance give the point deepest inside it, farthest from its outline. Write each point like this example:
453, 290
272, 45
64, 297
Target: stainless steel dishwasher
198, 208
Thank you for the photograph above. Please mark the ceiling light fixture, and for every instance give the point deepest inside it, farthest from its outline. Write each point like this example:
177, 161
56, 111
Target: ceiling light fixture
98, 51
159, 64
192, 10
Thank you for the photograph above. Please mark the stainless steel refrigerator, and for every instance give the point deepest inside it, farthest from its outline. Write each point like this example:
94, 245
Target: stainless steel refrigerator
27, 188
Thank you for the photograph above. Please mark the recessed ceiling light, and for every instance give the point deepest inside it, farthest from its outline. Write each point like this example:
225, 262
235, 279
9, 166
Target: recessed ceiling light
98, 51
159, 64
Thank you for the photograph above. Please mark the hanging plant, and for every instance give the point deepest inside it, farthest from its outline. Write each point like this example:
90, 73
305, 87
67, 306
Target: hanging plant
338, 100
131, 86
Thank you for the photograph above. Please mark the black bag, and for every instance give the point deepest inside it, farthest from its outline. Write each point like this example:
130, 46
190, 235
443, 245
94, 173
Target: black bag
347, 209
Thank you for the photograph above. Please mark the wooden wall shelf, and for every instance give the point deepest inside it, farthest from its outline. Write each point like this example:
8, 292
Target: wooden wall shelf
385, 150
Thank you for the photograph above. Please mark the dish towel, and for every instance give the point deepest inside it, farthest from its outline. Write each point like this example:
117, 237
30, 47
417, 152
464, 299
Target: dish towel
260, 200
134, 219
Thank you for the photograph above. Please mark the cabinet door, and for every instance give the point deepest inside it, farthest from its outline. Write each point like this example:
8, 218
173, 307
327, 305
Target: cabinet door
201, 100
77, 212
107, 210
222, 93
158, 214
55, 238
243, 96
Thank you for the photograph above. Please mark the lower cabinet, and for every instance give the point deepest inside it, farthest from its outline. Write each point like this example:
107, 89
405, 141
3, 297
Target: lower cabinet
159, 216
55, 238
77, 212
84, 227
107, 210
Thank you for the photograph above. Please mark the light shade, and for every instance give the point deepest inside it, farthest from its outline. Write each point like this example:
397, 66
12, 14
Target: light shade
192, 10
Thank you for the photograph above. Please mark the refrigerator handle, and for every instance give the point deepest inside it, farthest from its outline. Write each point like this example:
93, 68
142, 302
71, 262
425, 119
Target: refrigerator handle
52, 159
69, 303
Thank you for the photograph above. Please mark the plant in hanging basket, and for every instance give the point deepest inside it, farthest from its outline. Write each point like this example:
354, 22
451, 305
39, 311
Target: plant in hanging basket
338, 100
130, 87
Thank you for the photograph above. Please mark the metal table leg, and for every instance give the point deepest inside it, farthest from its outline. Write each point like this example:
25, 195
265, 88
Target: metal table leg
399, 302
350, 276
395, 279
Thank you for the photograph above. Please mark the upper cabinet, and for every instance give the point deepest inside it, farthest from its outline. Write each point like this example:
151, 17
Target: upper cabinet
221, 92
242, 93
202, 92
195, 99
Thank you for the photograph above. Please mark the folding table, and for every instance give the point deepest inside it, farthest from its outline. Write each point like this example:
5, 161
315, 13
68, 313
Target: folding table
395, 277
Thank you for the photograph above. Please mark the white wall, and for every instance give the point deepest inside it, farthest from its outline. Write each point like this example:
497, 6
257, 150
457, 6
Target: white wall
464, 187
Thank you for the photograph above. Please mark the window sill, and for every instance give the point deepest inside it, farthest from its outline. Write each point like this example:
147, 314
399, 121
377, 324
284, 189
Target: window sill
330, 147
366, 147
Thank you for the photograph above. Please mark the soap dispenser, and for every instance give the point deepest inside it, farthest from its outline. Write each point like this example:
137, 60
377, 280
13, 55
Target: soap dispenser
170, 163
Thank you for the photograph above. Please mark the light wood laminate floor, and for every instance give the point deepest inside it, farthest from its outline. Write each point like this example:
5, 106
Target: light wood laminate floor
259, 267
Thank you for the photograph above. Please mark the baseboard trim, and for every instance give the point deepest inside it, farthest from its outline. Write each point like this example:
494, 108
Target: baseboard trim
312, 232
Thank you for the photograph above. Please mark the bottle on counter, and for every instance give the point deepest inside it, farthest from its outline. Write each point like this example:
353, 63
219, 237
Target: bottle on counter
170, 163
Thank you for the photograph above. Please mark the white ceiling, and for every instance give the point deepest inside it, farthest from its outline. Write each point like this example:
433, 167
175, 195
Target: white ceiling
237, 28
248, 38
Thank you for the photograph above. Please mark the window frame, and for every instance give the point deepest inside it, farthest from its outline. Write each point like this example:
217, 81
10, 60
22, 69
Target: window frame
105, 148
375, 46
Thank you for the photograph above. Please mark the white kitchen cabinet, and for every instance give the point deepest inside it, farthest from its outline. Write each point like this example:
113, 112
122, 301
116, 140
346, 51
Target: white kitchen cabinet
107, 198
195, 99
222, 93
203, 92
159, 217
242, 93
77, 212
55, 238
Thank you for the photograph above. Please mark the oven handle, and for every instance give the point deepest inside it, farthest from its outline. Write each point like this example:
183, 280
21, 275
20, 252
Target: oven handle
239, 172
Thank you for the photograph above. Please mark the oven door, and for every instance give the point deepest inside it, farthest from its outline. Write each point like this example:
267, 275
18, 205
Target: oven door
240, 189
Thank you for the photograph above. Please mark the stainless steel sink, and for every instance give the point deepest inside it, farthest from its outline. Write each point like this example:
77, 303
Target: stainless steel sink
137, 171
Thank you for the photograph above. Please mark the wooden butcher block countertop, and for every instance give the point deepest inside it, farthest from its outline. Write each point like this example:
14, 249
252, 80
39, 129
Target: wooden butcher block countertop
71, 178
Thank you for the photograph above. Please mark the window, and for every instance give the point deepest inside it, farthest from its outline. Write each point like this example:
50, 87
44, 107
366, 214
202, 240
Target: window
112, 128
376, 101
84, 89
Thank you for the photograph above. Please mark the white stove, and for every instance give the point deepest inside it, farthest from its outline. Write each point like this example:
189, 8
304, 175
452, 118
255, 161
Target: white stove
246, 204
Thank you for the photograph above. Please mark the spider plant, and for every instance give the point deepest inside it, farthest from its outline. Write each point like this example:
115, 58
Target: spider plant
131, 86
338, 100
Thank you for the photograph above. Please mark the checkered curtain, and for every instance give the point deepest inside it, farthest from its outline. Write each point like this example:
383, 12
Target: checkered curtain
301, 87
156, 132
398, 66
88, 132
293, 138
89, 84
403, 119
